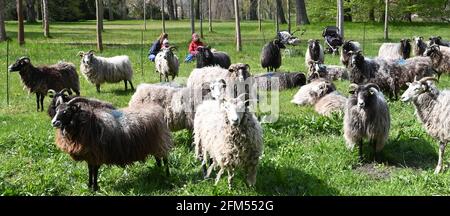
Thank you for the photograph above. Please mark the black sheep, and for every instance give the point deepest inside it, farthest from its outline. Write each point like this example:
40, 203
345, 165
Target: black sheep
206, 57
271, 55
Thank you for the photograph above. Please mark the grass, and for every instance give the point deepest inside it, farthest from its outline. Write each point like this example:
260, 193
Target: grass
304, 153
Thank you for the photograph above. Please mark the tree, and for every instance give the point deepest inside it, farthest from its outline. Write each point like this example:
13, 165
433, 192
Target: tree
123, 9
201, 17
31, 11
170, 9
192, 17
259, 16
386, 35
302, 16
2, 22
45, 18
253, 12
209, 16
238, 26
20, 33
162, 17
289, 14
280, 12
99, 13
340, 17
110, 11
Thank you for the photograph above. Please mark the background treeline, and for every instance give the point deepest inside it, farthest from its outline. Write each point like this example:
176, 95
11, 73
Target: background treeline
317, 10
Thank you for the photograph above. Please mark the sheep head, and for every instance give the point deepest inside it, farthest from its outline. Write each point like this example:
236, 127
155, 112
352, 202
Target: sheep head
19, 64
234, 109
363, 95
86, 58
279, 44
405, 44
217, 89
357, 58
321, 88
58, 98
435, 40
417, 88
204, 56
432, 50
241, 70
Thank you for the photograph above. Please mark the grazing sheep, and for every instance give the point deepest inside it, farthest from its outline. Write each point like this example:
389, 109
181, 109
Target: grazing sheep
40, 79
166, 63
440, 58
287, 38
98, 70
438, 40
206, 57
176, 102
347, 48
419, 46
286, 80
61, 97
395, 51
305, 95
229, 134
331, 72
113, 137
271, 55
364, 70
406, 70
314, 53
366, 117
432, 109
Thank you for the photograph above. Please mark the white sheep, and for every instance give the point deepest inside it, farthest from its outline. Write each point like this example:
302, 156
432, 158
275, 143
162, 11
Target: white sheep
98, 70
396, 51
166, 63
229, 134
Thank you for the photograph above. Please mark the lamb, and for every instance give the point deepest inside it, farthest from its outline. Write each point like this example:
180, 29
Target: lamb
395, 51
419, 46
366, 116
229, 134
271, 55
206, 57
314, 53
40, 79
176, 102
331, 72
286, 80
112, 137
323, 95
440, 58
98, 70
347, 48
166, 63
438, 40
432, 109
364, 70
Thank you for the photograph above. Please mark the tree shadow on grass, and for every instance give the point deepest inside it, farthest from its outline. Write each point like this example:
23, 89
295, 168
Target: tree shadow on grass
290, 181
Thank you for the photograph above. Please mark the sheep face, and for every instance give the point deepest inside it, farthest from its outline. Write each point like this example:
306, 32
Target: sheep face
321, 89
406, 47
432, 50
58, 98
348, 46
279, 44
218, 89
241, 70
20, 63
234, 109
205, 52
86, 58
418, 41
314, 47
357, 59
168, 53
64, 114
363, 95
418, 87
435, 40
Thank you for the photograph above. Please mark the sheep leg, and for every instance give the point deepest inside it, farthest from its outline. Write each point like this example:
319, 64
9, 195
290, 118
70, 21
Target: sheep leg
90, 176
131, 84
219, 174
98, 87
441, 155
126, 84
166, 164
230, 177
37, 102
95, 177
42, 102
158, 162
210, 168
251, 174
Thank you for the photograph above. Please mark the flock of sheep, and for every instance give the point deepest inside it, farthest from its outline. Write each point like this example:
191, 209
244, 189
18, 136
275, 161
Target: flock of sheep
215, 103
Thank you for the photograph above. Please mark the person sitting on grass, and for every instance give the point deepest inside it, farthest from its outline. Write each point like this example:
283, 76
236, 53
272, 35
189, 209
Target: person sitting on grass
156, 46
195, 43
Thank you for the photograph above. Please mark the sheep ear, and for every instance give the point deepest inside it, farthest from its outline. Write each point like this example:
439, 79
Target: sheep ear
439, 37
231, 68
81, 54
248, 67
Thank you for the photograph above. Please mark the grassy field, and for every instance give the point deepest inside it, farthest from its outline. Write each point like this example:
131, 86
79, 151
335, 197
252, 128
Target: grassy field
304, 153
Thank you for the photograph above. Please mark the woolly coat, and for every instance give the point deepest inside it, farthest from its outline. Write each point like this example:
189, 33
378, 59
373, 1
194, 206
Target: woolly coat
110, 70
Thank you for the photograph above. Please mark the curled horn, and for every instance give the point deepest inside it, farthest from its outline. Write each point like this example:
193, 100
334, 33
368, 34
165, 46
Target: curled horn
81, 53
77, 99
51, 93
65, 90
91, 51
424, 79
373, 85
352, 87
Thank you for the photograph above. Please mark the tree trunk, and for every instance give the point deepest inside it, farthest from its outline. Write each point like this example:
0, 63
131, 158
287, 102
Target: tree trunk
45, 18
340, 23
386, 33
99, 9
253, 12
123, 9
20, 33
302, 16
289, 15
2, 22
192, 17
145, 14
259, 16
170, 9
201, 17
31, 12
162, 17
280, 12
175, 8
38, 10
197, 9
209, 16
372, 14
238, 26
110, 11
277, 18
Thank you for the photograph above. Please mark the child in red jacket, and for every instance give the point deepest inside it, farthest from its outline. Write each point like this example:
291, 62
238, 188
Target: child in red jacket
195, 43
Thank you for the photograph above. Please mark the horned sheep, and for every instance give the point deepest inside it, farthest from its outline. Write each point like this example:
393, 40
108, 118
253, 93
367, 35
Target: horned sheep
166, 63
314, 53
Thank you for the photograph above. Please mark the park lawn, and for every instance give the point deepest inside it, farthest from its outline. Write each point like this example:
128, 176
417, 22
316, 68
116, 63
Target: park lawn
305, 153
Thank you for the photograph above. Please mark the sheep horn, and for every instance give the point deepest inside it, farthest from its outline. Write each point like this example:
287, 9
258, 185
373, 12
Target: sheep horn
76, 100
51, 93
64, 90
91, 51
424, 79
370, 85
81, 53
